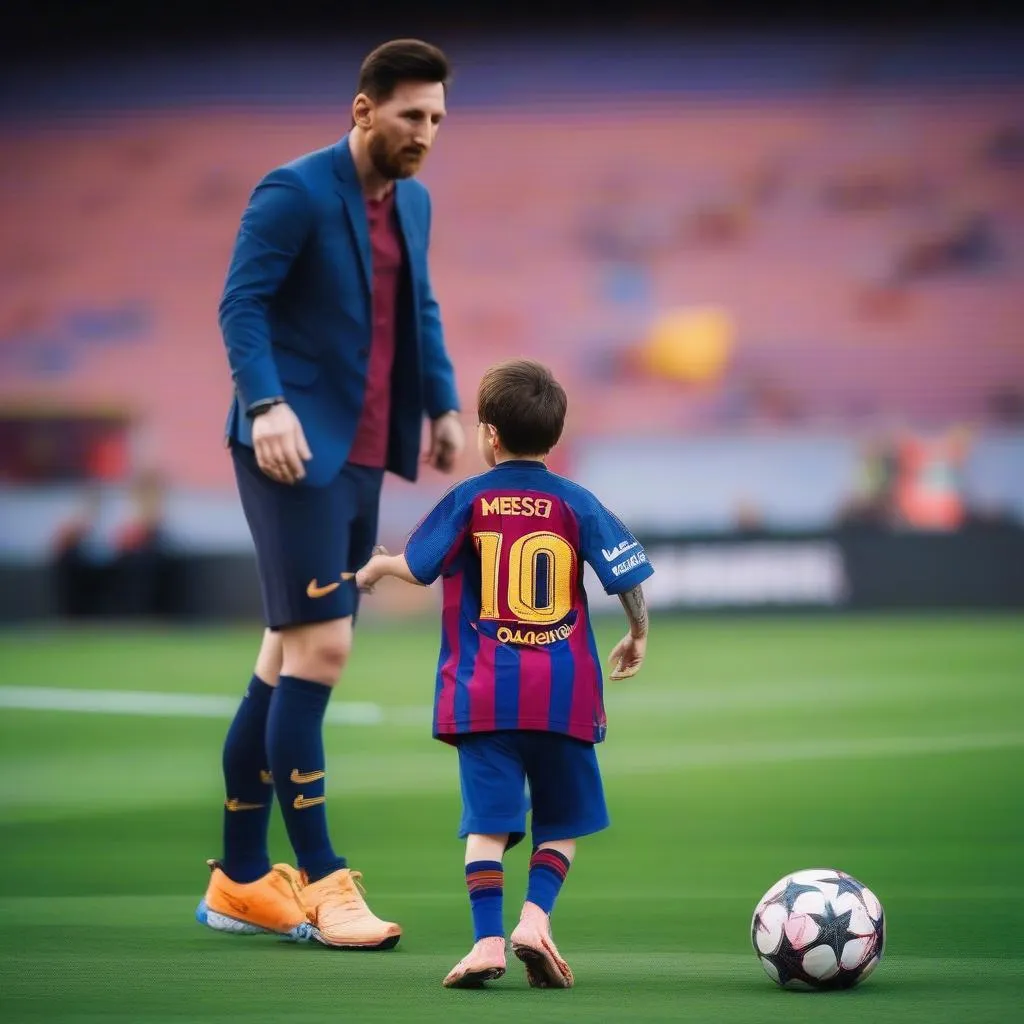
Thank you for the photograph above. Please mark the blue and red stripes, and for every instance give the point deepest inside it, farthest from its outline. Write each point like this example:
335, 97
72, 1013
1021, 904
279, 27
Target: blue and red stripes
552, 861
548, 870
485, 880
486, 684
450, 655
483, 876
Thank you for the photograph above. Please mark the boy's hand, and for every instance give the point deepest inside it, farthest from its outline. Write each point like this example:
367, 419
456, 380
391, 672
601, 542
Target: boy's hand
628, 656
371, 572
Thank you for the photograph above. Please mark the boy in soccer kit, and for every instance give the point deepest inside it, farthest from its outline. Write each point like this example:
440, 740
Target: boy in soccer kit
519, 688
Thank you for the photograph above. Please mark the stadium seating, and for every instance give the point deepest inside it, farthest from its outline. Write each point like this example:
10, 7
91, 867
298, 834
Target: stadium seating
559, 233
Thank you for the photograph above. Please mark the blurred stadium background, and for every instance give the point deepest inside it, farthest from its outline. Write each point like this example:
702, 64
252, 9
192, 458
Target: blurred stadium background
779, 267
781, 277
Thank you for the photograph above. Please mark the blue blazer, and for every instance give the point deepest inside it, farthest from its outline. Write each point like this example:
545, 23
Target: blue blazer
296, 312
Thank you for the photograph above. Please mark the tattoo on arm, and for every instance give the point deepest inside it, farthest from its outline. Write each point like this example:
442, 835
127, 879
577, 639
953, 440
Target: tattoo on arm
635, 606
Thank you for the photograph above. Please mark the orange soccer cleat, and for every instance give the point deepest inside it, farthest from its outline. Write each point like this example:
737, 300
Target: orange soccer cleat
341, 918
270, 904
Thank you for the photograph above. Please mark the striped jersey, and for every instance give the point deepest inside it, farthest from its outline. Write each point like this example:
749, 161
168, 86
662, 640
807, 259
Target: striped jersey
517, 647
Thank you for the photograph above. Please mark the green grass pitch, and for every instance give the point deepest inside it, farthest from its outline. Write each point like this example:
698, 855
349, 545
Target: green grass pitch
889, 748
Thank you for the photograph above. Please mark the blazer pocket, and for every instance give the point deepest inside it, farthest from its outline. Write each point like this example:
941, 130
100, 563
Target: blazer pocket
295, 369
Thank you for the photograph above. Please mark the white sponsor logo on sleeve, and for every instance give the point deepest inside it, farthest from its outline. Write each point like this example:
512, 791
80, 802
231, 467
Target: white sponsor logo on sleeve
619, 549
630, 563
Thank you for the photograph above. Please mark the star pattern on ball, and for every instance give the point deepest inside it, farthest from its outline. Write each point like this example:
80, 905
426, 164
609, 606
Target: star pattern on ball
833, 929
790, 894
879, 935
846, 884
789, 962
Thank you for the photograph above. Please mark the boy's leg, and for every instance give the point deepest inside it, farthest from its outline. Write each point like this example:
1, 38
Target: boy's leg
532, 941
485, 882
493, 783
568, 801
549, 866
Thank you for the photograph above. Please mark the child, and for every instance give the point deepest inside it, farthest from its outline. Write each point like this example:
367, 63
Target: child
519, 690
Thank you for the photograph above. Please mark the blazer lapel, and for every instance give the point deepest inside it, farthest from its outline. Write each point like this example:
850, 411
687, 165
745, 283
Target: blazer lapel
348, 187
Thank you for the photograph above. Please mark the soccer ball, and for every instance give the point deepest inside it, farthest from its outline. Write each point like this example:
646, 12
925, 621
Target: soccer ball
818, 929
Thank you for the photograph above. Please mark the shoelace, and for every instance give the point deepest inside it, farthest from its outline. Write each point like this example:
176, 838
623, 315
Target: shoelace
347, 895
343, 894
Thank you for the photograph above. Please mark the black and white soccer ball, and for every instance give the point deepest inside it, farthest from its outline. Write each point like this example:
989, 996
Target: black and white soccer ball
818, 929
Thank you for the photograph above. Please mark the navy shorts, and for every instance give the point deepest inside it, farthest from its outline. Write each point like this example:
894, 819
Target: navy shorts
565, 788
305, 537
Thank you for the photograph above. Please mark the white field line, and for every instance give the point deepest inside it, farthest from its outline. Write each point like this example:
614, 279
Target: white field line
165, 705
685, 702
622, 759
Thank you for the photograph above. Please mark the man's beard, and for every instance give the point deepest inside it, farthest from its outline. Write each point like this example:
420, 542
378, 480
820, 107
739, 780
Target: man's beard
390, 166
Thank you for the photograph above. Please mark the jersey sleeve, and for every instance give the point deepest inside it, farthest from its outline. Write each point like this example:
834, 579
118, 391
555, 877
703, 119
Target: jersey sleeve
616, 555
439, 534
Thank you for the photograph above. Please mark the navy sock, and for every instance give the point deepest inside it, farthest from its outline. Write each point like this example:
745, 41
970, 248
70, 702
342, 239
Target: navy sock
249, 793
295, 744
548, 869
485, 880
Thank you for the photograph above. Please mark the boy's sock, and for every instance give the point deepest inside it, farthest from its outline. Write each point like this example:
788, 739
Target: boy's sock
548, 869
295, 744
485, 881
249, 793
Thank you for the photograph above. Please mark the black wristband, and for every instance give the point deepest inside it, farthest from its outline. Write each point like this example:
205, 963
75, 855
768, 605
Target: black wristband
259, 408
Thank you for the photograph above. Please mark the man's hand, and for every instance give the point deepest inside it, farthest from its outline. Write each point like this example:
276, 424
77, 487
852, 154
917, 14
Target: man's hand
628, 656
446, 442
280, 444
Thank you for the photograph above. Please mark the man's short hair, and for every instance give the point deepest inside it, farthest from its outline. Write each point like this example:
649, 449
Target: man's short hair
401, 60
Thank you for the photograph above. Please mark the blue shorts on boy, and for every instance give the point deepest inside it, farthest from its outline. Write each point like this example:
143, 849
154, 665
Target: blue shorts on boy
564, 786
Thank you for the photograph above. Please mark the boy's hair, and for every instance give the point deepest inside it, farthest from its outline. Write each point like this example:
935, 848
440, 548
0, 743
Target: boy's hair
525, 404
401, 60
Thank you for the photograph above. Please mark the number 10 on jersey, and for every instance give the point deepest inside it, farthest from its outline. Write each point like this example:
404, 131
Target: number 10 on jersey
538, 572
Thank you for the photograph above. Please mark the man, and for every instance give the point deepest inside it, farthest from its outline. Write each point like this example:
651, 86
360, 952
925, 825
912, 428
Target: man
336, 349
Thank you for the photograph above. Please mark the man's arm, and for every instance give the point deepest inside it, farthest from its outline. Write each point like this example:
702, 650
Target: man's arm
274, 228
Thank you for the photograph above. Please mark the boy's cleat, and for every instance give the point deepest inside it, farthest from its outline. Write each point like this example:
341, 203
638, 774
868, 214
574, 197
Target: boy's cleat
340, 916
269, 905
484, 962
532, 943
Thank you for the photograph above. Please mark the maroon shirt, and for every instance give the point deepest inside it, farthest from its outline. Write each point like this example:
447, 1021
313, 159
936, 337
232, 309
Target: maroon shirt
370, 446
